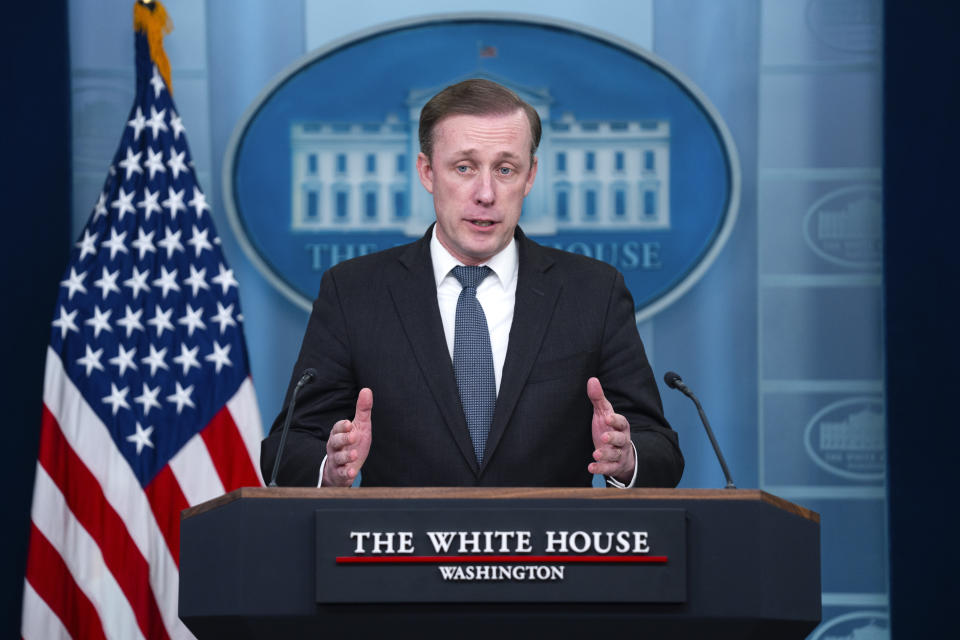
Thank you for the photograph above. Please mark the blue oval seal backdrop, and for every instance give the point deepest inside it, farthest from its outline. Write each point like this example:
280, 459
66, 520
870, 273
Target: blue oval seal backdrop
635, 167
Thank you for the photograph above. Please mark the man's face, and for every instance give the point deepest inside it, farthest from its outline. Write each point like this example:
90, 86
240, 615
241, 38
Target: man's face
480, 172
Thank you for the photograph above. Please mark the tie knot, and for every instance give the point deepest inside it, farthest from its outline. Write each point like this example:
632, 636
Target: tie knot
471, 277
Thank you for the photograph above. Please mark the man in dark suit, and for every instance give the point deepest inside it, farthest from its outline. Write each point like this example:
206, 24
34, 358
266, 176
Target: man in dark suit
553, 387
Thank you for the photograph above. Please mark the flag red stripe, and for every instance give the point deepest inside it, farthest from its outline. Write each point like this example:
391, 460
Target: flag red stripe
167, 501
89, 506
51, 579
229, 452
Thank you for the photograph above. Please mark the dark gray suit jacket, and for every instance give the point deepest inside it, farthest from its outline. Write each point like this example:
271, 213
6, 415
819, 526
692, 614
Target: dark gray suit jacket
376, 323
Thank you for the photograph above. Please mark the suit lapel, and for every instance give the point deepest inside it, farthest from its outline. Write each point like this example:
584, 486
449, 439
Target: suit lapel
415, 297
537, 293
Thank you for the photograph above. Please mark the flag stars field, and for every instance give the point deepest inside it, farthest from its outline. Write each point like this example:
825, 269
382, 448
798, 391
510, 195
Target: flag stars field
115, 243
199, 203
124, 203
144, 242
137, 282
141, 438
124, 360
148, 399
100, 321
107, 282
65, 322
91, 360
155, 123
197, 280
150, 204
176, 164
174, 203
171, 242
87, 245
156, 81
131, 163
117, 398
154, 162
74, 283
225, 279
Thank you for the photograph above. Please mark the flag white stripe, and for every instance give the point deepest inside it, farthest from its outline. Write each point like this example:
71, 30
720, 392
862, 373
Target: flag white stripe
83, 558
246, 415
39, 621
88, 437
195, 472
91, 441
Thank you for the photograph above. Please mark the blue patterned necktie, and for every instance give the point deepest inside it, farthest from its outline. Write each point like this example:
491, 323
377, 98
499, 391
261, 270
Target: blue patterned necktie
473, 358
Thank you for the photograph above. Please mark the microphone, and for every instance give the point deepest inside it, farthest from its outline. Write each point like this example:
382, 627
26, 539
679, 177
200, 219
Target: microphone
308, 375
674, 381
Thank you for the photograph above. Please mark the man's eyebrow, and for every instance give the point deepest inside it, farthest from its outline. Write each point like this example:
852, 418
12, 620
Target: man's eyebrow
467, 153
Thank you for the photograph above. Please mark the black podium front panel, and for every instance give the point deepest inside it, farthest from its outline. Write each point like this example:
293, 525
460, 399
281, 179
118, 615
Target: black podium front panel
250, 566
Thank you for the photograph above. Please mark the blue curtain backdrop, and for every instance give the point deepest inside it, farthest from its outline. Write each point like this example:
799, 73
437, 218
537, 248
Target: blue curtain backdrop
775, 337
35, 174
921, 272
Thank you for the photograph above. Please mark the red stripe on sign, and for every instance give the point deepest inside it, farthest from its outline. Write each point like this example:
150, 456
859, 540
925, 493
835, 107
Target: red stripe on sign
89, 506
229, 453
500, 559
167, 501
51, 579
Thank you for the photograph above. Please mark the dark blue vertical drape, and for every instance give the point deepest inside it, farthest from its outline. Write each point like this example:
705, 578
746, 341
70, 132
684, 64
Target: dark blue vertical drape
34, 241
922, 286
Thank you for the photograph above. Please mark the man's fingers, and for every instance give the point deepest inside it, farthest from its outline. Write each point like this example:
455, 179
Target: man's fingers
341, 436
612, 461
345, 457
610, 454
604, 468
364, 406
595, 393
618, 438
617, 421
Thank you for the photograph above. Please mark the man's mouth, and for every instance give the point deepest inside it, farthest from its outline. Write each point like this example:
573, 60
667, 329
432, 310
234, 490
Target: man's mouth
482, 223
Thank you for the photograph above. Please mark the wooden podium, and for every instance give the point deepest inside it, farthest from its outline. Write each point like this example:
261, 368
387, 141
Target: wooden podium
747, 562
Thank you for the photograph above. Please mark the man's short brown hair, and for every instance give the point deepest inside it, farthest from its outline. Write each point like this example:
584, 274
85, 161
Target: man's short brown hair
474, 97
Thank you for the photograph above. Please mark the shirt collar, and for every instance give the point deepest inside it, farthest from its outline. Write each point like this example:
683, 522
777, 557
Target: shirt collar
503, 264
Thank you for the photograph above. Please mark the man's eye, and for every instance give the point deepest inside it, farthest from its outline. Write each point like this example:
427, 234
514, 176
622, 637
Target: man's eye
505, 171
462, 168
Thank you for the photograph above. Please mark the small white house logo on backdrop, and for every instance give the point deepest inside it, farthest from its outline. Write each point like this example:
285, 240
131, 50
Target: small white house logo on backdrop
846, 438
845, 227
859, 625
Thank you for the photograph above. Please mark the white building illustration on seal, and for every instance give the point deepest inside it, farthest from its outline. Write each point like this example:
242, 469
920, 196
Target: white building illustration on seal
593, 175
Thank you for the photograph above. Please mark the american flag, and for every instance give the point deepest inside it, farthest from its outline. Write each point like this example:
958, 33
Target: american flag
148, 406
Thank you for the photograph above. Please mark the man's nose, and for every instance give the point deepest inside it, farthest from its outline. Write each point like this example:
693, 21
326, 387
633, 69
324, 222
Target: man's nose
484, 194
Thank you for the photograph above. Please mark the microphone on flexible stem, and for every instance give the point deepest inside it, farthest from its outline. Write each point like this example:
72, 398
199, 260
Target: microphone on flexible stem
674, 381
308, 375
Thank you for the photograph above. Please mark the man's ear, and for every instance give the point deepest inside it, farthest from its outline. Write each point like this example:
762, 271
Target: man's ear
533, 174
425, 171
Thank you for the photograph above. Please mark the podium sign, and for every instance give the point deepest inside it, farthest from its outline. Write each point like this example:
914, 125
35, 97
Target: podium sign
493, 552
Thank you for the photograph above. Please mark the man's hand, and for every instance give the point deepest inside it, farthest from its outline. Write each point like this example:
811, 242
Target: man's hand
349, 444
613, 453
